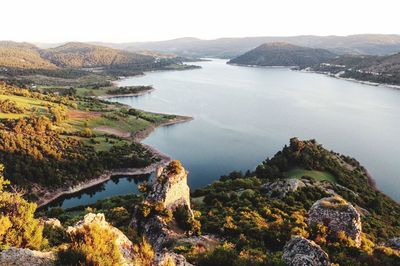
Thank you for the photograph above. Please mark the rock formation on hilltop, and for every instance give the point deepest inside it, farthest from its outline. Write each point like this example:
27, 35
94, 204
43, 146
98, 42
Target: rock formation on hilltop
168, 193
338, 215
300, 251
170, 187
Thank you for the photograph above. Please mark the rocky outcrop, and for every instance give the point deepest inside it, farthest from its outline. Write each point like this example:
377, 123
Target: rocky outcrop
282, 187
26, 257
300, 251
170, 190
124, 244
338, 215
170, 186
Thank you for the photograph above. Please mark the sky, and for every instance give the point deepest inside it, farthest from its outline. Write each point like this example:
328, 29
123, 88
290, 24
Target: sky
55, 21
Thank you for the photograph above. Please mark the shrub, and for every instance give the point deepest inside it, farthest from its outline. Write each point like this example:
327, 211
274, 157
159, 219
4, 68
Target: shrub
18, 227
91, 245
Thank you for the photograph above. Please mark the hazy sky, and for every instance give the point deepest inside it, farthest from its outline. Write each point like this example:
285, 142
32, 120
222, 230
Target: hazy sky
148, 20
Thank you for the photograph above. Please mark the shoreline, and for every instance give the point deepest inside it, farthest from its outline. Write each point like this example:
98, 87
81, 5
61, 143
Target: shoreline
137, 94
364, 82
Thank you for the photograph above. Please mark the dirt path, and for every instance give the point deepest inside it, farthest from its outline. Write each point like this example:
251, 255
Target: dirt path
113, 131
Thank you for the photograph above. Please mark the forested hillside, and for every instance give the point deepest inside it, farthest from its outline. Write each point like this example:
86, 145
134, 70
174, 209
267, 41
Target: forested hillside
379, 69
78, 55
282, 54
22, 55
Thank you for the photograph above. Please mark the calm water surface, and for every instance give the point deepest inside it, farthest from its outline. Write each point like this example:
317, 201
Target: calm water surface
243, 115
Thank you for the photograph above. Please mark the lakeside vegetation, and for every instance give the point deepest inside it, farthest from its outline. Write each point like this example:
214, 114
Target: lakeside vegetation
374, 69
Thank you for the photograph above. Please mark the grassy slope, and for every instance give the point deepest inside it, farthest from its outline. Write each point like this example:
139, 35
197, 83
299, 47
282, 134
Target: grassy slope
106, 115
317, 175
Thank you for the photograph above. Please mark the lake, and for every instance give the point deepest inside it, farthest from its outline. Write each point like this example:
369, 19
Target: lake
243, 115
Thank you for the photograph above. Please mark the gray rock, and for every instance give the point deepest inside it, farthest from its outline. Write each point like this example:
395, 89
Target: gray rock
338, 215
394, 243
282, 187
300, 251
26, 257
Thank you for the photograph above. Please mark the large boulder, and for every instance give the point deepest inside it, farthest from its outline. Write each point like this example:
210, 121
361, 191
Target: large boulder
125, 246
26, 257
300, 251
338, 215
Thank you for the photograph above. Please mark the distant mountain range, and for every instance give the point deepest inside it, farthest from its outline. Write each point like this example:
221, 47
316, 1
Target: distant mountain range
283, 54
370, 44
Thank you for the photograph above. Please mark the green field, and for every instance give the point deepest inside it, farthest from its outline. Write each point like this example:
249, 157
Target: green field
26, 103
317, 175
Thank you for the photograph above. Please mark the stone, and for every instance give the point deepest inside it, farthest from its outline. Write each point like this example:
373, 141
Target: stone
394, 243
52, 222
170, 259
338, 215
125, 246
26, 257
282, 187
300, 251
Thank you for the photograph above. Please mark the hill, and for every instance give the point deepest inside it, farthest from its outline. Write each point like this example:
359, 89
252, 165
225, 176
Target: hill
282, 54
371, 44
78, 55
22, 55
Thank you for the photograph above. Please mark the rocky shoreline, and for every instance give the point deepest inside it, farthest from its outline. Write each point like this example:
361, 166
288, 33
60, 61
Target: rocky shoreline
332, 75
